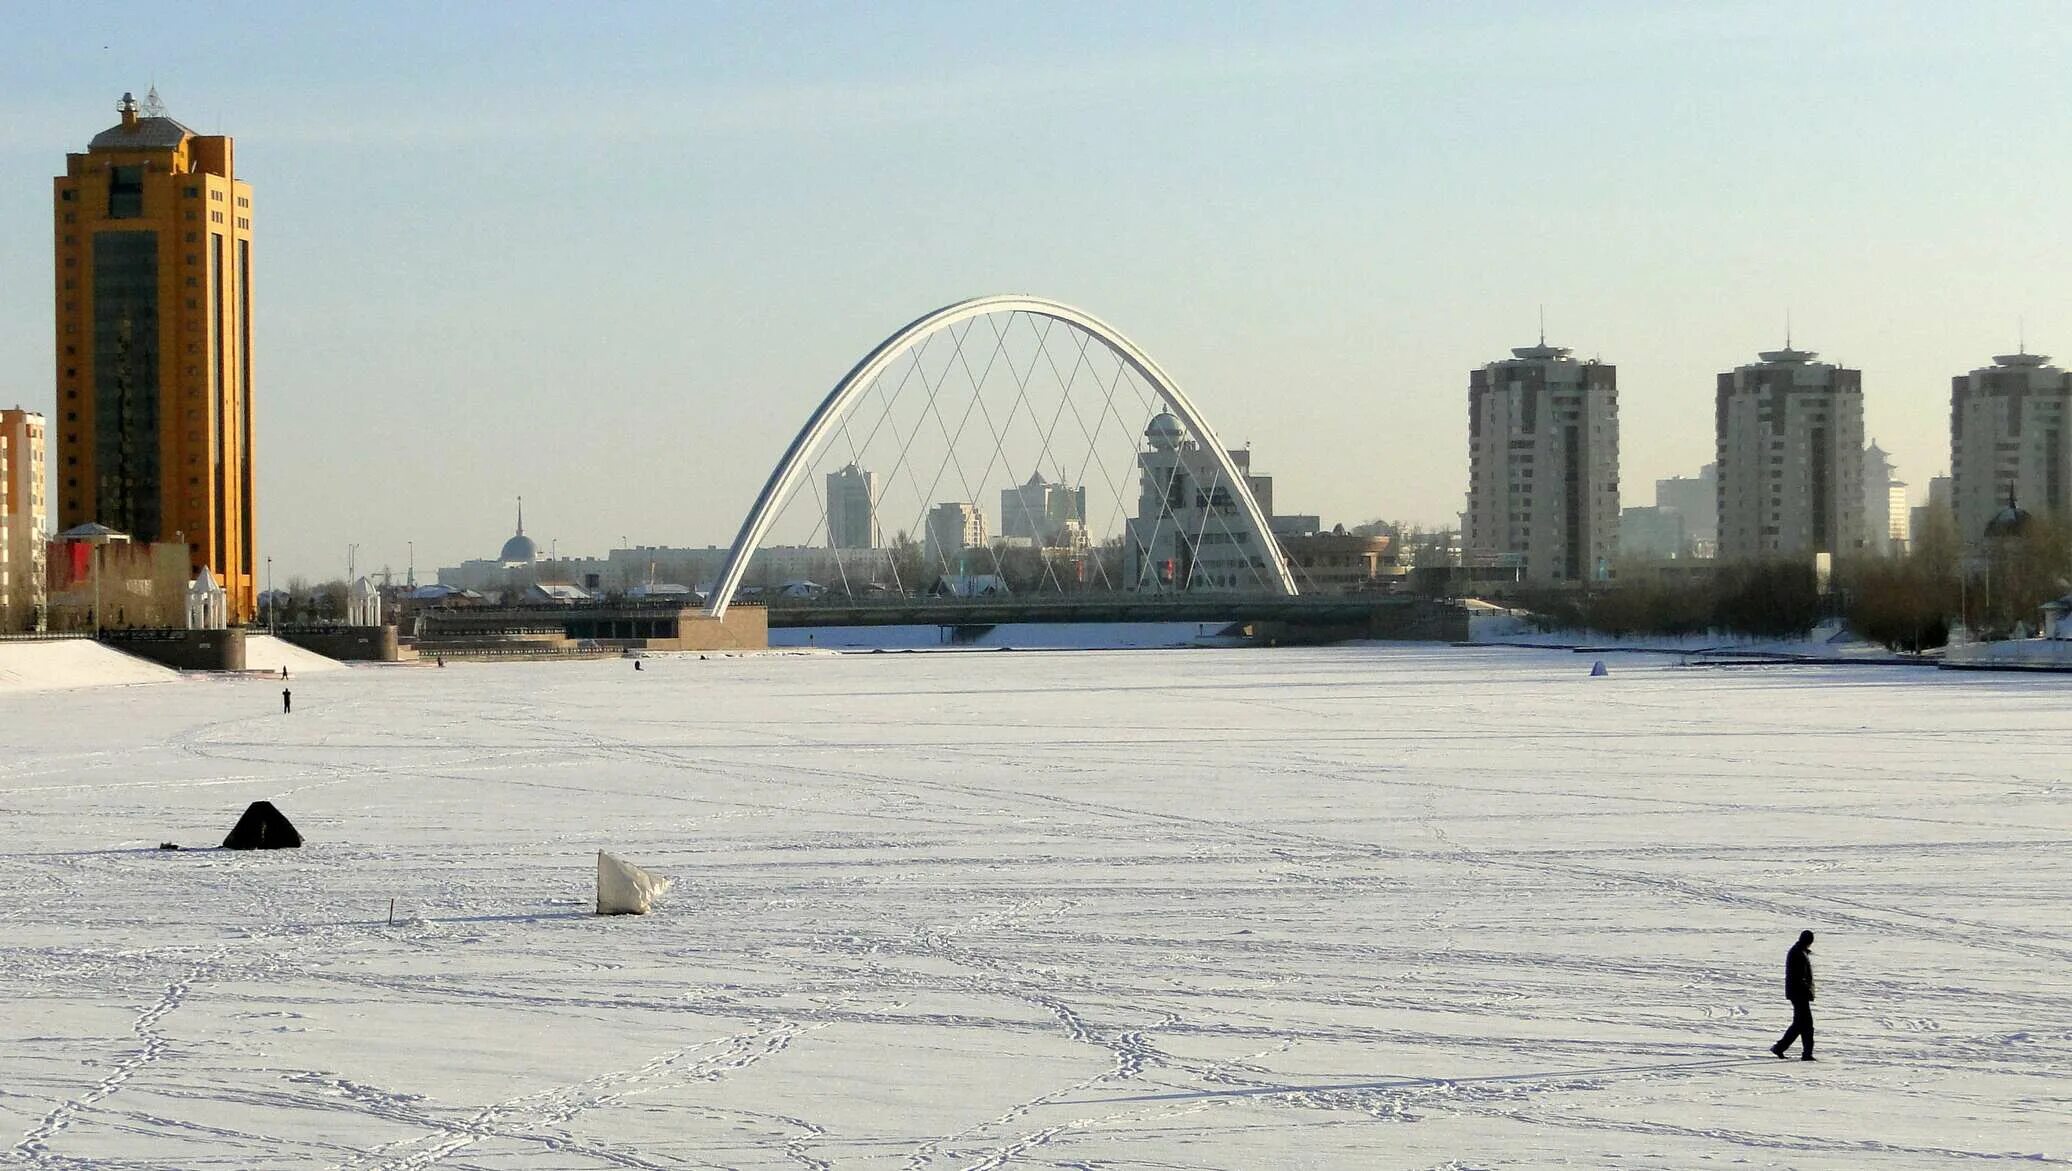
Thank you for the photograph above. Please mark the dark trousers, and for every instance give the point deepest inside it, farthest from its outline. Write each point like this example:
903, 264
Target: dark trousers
1801, 1026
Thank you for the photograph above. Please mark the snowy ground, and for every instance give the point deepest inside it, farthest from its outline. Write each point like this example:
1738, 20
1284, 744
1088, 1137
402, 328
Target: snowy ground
1359, 907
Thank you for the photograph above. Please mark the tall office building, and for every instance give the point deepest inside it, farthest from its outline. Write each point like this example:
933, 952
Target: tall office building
954, 528
1790, 436
2009, 435
1043, 513
1543, 465
24, 518
154, 343
1925, 521
1884, 504
1696, 499
852, 509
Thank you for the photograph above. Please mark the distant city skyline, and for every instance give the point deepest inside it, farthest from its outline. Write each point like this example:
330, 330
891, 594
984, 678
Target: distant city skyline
612, 262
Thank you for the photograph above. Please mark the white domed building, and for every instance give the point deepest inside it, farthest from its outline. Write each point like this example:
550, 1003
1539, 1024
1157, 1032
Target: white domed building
515, 566
520, 551
1189, 532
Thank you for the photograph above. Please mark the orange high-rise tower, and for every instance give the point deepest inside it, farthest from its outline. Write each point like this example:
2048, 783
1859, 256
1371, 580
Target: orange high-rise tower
154, 343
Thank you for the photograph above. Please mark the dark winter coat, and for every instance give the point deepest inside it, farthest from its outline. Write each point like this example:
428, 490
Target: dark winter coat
1798, 974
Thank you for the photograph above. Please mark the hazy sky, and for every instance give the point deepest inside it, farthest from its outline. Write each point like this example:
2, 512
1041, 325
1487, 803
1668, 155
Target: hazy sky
611, 255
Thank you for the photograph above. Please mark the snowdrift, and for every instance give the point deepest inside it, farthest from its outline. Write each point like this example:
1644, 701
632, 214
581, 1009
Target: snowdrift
72, 662
264, 652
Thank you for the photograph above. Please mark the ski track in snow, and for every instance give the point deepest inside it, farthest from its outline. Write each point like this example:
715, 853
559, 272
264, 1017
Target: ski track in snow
1360, 907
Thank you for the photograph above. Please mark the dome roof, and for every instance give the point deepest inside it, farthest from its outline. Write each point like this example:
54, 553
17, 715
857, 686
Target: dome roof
1163, 431
519, 548
2008, 522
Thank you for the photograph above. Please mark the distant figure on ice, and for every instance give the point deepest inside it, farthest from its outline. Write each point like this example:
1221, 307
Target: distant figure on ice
284, 670
1798, 988
636, 664
287, 701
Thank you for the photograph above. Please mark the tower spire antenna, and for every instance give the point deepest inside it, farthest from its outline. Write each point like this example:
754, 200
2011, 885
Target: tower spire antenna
521, 516
1787, 328
2021, 336
153, 107
1543, 323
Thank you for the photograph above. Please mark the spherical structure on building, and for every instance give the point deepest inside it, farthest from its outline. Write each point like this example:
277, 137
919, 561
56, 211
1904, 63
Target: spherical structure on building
519, 548
2010, 521
1164, 432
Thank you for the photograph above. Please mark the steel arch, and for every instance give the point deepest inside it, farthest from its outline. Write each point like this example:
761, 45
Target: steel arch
784, 479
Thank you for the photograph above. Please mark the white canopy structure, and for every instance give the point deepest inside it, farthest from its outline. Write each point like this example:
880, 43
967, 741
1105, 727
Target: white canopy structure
207, 607
363, 604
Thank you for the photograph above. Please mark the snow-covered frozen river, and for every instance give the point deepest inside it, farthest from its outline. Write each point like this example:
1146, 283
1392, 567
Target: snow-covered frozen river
1354, 907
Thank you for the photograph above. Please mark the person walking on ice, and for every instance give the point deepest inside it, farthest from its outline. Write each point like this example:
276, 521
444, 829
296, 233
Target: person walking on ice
1798, 988
287, 701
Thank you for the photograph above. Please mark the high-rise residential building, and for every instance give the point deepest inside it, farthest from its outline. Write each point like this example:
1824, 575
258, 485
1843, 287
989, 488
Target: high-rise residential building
1043, 513
852, 509
154, 344
24, 519
2010, 435
1790, 436
1884, 504
1696, 500
1543, 465
954, 528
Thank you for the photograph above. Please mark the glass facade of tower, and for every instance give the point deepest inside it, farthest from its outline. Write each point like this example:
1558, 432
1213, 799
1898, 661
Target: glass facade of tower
125, 366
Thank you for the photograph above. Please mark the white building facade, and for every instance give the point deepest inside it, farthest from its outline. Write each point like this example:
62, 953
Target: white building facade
1189, 532
2009, 437
1543, 465
1789, 431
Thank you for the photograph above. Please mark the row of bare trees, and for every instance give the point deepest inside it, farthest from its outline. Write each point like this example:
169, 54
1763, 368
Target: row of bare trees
1993, 586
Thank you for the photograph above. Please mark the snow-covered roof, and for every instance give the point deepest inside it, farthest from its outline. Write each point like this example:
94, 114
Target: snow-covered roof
658, 589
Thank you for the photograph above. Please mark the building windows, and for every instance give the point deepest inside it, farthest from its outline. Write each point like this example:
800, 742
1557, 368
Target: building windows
125, 192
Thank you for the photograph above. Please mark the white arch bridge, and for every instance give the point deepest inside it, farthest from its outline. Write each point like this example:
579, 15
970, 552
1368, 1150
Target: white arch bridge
959, 403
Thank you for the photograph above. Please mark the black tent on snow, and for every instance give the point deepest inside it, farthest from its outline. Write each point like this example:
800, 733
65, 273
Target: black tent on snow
262, 828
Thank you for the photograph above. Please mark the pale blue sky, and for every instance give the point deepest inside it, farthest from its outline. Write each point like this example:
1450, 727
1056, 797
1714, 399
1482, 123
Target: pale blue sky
611, 255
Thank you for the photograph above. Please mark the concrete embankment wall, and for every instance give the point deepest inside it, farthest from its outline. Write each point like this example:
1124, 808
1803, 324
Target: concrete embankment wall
187, 650
353, 644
